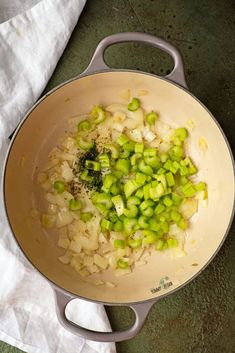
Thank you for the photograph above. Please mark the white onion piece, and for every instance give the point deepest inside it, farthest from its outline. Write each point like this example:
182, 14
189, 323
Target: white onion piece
66, 172
118, 127
137, 115
68, 143
63, 243
130, 124
66, 258
75, 246
135, 135
189, 207
118, 117
63, 218
87, 243
148, 135
101, 261
88, 261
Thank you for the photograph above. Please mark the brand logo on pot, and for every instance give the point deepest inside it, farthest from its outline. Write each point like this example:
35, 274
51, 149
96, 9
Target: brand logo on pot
164, 283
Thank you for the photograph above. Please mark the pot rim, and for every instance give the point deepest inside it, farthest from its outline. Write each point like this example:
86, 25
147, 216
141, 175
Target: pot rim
27, 115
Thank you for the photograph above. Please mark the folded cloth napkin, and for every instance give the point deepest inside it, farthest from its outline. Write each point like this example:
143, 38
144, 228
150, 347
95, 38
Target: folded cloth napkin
30, 45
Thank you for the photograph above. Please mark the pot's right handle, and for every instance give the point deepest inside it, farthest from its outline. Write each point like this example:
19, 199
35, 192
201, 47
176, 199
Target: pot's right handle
141, 311
97, 62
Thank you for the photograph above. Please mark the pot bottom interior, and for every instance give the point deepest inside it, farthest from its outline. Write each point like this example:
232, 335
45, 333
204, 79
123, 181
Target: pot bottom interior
41, 131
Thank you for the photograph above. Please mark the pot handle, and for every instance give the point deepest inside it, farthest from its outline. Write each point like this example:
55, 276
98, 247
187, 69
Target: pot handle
97, 62
141, 311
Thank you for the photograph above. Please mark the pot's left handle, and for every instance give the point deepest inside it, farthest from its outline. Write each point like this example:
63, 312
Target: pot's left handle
141, 311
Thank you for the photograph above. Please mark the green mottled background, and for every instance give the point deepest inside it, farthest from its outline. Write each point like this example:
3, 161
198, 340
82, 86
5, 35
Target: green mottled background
200, 318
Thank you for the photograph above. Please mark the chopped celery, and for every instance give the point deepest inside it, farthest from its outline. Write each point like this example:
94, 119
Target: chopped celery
118, 174
140, 178
134, 104
153, 161
200, 186
182, 224
134, 158
123, 165
148, 212
133, 200
152, 117
105, 199
98, 114
93, 165
188, 190
129, 146
146, 190
143, 222
164, 157
113, 217
118, 204
130, 187
122, 139
144, 168
167, 201
86, 216
156, 192
159, 209
162, 179
150, 152
181, 133
75, 204
114, 189
119, 244
140, 193
85, 176
139, 147
102, 209
131, 212
124, 154
134, 243
159, 244
170, 179
104, 160
161, 171
176, 153
105, 224
153, 225
108, 181
145, 204
118, 226
122, 264
175, 216
59, 186
129, 224
176, 199
84, 144
114, 150
84, 125
164, 226
169, 166
172, 242
150, 236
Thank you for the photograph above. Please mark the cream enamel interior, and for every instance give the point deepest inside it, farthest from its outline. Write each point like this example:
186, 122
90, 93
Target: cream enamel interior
41, 131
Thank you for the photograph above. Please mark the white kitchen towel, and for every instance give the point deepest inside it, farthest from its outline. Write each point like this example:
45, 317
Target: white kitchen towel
30, 45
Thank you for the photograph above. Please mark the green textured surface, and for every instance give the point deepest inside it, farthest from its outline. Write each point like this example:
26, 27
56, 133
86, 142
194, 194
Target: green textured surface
200, 318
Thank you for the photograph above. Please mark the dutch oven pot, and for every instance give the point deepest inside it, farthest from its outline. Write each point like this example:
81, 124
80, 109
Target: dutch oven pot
39, 132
